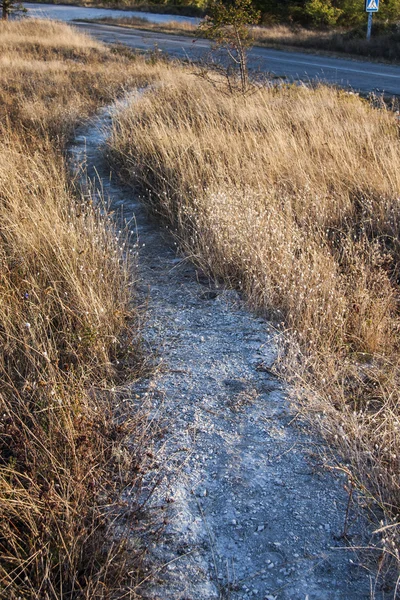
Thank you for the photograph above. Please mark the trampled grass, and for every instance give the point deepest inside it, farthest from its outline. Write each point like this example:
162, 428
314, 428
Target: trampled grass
67, 450
292, 195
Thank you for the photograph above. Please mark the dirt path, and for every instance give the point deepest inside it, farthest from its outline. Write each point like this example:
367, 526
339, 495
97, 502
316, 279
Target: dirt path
249, 513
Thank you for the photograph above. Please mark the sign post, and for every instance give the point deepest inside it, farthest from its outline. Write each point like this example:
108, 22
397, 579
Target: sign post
371, 6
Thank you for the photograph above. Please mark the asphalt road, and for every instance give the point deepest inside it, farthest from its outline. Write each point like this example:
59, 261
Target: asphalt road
359, 75
68, 12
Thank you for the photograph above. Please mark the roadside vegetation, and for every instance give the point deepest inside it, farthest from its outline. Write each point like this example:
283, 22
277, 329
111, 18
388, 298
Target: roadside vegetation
383, 45
68, 331
291, 194
172, 27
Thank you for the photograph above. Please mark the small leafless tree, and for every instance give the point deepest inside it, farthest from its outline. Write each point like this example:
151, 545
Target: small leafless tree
10, 6
228, 26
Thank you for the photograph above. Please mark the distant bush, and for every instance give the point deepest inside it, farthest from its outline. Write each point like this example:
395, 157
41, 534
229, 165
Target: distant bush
322, 13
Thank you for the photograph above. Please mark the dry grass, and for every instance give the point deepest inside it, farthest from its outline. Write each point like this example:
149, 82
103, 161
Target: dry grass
52, 77
67, 451
292, 195
384, 43
173, 27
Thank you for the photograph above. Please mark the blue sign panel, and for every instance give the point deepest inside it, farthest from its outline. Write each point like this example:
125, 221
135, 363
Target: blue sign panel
371, 5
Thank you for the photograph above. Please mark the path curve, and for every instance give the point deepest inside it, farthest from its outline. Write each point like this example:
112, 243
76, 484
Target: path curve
249, 513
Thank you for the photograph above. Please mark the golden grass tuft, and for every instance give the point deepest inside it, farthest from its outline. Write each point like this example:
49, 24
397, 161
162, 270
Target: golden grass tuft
292, 195
68, 449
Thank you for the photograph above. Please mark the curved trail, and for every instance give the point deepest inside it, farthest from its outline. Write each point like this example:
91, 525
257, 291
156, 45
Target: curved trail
249, 514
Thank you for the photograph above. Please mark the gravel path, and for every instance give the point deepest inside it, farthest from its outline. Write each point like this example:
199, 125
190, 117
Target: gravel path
250, 514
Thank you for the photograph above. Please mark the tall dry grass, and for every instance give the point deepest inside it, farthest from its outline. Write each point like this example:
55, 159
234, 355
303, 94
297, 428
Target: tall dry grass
292, 195
52, 77
68, 450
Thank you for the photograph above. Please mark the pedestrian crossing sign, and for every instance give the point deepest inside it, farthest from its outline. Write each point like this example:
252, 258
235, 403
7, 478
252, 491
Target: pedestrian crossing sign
371, 5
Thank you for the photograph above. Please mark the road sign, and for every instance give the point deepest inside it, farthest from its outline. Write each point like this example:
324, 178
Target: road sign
371, 6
